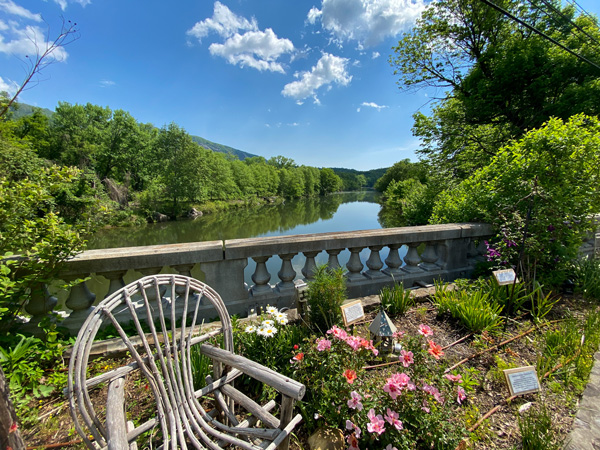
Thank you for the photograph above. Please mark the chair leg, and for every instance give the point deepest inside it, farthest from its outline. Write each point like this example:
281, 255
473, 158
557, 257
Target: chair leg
287, 410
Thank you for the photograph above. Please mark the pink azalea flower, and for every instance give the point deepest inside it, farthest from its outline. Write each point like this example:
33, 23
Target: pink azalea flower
350, 376
406, 358
398, 334
435, 350
424, 330
455, 378
397, 383
338, 332
355, 428
376, 424
462, 395
431, 390
392, 418
354, 342
354, 401
323, 344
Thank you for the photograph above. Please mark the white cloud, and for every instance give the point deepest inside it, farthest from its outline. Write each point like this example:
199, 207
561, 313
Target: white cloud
63, 3
28, 41
367, 21
375, 55
16, 10
244, 43
107, 83
371, 105
313, 15
329, 69
8, 86
257, 49
224, 22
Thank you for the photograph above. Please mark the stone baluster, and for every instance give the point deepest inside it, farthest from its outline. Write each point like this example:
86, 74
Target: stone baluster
333, 262
393, 261
261, 276
412, 259
151, 293
40, 304
429, 257
186, 271
80, 301
310, 266
354, 265
374, 262
115, 279
286, 273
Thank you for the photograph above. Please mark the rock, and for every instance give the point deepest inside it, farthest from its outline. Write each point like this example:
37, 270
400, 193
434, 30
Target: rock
193, 213
327, 439
158, 217
524, 407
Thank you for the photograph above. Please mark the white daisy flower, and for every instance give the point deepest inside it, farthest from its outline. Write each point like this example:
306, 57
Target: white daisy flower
269, 331
250, 329
281, 318
267, 323
272, 310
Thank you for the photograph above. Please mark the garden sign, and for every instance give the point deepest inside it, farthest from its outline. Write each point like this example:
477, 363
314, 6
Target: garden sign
352, 312
522, 380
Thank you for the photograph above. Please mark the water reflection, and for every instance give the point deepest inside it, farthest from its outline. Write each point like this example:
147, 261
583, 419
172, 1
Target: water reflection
339, 212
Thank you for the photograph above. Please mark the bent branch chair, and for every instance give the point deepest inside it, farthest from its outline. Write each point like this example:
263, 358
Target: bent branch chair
169, 305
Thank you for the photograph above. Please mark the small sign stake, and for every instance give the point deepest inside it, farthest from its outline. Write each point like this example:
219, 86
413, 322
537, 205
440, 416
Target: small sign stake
522, 380
505, 277
352, 312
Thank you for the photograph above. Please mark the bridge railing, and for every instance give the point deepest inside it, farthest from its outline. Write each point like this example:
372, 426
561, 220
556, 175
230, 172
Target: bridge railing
414, 254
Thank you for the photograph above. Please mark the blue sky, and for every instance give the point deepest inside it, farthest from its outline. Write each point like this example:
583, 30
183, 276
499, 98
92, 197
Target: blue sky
309, 80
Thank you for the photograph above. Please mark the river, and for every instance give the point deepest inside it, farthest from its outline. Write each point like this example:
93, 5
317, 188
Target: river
347, 211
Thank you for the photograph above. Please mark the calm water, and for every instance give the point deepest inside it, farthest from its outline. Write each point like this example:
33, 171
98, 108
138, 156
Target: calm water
350, 211
338, 212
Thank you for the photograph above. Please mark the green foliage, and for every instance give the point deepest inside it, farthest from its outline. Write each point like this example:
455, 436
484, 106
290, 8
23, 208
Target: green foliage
201, 366
326, 293
536, 429
587, 277
496, 77
400, 171
330, 182
545, 184
395, 300
473, 309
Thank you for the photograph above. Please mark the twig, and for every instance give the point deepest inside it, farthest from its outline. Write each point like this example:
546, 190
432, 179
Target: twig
457, 342
532, 329
59, 445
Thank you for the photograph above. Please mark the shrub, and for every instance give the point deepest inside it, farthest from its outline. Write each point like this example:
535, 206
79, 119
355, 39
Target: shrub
587, 277
325, 294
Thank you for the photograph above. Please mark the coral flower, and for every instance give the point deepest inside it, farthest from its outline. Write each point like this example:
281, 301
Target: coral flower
350, 376
297, 358
424, 330
352, 442
435, 350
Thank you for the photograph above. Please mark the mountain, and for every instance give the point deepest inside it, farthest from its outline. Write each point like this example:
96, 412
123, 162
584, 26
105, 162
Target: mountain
371, 175
221, 148
22, 110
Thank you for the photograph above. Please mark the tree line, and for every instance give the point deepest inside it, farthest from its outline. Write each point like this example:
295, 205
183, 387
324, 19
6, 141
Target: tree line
158, 168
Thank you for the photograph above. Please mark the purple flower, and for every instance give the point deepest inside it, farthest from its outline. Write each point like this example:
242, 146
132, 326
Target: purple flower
551, 228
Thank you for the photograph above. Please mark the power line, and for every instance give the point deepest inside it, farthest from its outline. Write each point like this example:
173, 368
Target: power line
567, 19
583, 11
541, 33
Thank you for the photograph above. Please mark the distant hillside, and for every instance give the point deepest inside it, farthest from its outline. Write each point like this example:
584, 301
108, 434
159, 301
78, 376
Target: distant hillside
222, 148
23, 110
371, 175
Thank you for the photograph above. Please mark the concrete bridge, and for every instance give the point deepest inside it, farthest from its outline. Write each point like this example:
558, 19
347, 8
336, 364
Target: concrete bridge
414, 254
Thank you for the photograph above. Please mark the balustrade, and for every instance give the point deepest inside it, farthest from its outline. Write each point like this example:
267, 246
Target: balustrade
414, 254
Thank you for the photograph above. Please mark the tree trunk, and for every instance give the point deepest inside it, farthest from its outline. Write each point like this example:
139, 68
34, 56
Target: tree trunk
10, 437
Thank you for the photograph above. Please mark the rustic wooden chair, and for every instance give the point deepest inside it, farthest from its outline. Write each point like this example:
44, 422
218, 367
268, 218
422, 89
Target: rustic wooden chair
163, 357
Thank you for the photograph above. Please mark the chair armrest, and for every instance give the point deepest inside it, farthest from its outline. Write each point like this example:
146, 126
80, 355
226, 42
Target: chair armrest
116, 424
285, 385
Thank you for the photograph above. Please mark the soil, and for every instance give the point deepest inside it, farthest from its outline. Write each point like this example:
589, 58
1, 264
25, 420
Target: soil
500, 431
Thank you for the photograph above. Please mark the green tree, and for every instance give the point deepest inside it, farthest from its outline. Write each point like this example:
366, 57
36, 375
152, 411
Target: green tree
541, 190
402, 170
502, 79
330, 182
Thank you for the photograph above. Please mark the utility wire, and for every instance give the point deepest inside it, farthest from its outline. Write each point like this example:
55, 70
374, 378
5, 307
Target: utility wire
541, 33
577, 5
567, 19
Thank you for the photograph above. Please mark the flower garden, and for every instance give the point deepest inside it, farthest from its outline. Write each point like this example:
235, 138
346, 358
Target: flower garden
442, 386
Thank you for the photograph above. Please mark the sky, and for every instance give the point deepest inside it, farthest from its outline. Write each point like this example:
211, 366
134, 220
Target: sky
309, 80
